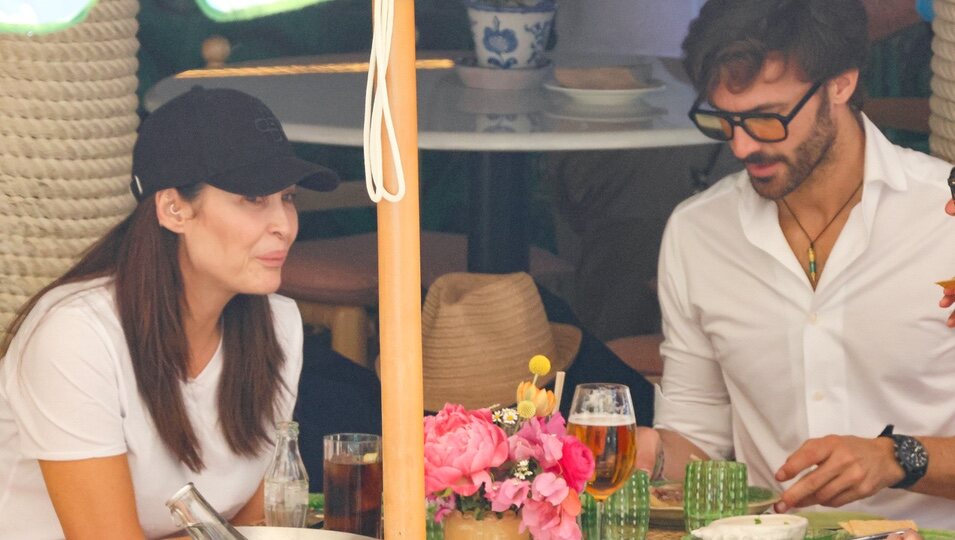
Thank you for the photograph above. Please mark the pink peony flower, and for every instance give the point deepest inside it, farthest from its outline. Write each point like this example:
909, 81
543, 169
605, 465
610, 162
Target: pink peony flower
549, 522
442, 506
556, 425
465, 451
536, 440
549, 487
510, 492
460, 446
576, 463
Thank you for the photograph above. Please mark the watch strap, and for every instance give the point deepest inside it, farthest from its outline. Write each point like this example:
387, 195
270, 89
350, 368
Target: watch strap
910, 455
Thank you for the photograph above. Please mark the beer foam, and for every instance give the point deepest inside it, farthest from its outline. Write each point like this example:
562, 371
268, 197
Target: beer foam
603, 420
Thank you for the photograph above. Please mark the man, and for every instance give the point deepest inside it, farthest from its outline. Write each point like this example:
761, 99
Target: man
797, 296
617, 201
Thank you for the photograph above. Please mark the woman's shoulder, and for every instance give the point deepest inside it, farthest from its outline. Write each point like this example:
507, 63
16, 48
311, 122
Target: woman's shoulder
286, 320
70, 318
284, 308
94, 297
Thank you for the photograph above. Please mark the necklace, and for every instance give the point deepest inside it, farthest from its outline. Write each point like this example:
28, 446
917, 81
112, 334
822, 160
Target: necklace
811, 252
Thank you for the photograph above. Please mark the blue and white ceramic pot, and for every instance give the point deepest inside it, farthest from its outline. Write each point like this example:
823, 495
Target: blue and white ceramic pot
512, 35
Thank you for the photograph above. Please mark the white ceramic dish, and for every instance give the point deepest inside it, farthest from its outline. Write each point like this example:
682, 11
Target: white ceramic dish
604, 98
611, 115
286, 533
762, 527
474, 76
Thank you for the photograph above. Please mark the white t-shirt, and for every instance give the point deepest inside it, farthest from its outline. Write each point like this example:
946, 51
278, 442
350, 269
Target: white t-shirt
624, 27
68, 392
756, 362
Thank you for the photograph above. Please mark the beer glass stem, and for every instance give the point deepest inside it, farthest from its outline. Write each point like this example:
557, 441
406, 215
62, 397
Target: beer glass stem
592, 526
599, 521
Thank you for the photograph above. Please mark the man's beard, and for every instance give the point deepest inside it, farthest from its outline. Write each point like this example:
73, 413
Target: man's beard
808, 156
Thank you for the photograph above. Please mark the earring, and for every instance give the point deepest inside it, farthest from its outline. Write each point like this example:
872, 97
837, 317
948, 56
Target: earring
173, 210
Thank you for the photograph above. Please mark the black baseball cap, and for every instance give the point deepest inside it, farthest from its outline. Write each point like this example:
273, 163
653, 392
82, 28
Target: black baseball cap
225, 138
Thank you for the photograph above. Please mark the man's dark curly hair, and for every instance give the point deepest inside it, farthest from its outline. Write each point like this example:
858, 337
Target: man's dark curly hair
730, 40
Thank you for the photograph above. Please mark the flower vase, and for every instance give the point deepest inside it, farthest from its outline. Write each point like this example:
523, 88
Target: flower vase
458, 526
512, 35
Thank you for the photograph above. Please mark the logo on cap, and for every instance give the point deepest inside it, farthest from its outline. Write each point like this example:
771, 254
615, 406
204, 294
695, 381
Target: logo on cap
270, 126
268, 123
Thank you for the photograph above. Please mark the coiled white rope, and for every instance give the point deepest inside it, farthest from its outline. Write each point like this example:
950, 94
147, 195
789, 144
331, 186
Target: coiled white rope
67, 127
942, 102
378, 109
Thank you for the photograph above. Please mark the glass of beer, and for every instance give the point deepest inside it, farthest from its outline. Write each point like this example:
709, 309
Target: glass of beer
601, 416
353, 483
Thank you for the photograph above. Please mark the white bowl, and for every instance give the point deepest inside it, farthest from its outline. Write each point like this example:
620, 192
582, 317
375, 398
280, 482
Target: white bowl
759, 527
475, 76
604, 98
287, 533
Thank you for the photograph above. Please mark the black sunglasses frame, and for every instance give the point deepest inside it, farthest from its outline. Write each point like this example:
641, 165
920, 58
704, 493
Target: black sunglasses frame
739, 119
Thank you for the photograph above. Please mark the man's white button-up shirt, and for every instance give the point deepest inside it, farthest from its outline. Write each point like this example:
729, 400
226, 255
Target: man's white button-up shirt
756, 362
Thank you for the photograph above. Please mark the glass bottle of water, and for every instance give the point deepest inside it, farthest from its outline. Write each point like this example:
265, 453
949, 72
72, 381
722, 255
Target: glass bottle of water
286, 482
194, 514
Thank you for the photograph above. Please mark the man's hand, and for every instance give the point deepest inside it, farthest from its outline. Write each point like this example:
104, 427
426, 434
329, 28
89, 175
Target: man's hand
842, 469
948, 300
648, 444
909, 534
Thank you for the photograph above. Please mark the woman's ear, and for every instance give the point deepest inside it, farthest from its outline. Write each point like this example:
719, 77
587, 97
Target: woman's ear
171, 210
843, 86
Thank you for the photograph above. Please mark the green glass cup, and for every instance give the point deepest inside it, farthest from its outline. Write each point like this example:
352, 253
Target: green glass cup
713, 490
626, 513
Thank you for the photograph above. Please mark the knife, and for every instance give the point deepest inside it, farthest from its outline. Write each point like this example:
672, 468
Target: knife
878, 536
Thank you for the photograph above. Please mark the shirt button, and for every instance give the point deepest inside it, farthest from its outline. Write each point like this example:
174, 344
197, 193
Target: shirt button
818, 395
813, 318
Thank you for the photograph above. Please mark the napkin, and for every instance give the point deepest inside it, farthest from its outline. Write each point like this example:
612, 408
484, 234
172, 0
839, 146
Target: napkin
858, 527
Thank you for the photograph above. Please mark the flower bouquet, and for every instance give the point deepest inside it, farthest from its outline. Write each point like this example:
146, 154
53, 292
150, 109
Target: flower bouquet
493, 462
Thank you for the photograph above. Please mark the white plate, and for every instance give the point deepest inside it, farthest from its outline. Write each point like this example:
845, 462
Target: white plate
287, 533
604, 98
474, 76
638, 112
672, 516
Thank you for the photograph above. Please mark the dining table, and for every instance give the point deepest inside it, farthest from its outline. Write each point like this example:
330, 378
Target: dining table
289, 533
321, 100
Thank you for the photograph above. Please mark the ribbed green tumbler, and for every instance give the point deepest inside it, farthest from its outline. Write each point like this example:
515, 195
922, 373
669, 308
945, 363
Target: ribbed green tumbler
713, 490
626, 513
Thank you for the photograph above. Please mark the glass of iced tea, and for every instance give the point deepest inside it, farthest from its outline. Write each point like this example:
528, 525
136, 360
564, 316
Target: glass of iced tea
602, 417
353, 483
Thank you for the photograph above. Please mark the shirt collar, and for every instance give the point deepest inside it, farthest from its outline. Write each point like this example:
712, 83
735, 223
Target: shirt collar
881, 159
759, 216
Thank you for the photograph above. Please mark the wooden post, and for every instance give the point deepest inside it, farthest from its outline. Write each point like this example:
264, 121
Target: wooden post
399, 271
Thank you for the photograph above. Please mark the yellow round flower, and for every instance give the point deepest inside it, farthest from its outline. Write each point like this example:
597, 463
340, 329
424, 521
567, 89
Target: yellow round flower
526, 409
539, 365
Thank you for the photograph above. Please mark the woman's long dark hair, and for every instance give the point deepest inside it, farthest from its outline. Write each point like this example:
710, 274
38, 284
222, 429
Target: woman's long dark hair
143, 259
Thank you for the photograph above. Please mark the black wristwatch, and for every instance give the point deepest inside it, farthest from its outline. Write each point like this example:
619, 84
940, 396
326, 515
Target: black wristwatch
910, 455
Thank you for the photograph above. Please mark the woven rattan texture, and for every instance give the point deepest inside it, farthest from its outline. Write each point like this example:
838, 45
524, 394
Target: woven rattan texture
67, 127
942, 102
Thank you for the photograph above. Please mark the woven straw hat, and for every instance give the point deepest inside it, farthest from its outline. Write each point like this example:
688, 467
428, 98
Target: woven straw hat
480, 331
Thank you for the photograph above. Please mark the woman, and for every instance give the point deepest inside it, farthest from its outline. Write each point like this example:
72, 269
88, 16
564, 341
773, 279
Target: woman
162, 357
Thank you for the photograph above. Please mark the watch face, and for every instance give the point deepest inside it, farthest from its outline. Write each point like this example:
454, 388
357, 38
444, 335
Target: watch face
911, 453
